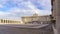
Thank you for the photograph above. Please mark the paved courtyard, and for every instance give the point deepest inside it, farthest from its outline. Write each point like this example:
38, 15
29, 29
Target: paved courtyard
9, 29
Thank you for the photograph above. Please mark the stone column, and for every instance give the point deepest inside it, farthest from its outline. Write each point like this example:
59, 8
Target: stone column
57, 2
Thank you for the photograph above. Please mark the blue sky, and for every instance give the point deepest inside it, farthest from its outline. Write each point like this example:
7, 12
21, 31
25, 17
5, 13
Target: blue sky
15, 9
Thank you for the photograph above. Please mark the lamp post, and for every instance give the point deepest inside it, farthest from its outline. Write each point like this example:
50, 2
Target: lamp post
53, 22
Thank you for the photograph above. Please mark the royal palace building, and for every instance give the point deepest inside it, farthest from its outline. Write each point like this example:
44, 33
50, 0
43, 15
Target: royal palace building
36, 19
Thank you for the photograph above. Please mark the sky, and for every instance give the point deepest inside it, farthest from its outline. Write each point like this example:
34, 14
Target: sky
15, 9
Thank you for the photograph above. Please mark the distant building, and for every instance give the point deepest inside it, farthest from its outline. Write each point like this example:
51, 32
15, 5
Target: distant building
36, 19
6, 21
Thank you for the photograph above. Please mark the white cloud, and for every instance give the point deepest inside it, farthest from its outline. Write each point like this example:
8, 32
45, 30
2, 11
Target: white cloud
4, 1
17, 12
46, 4
1, 6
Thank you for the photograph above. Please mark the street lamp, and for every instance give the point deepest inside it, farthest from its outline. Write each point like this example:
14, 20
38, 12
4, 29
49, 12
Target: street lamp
53, 22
